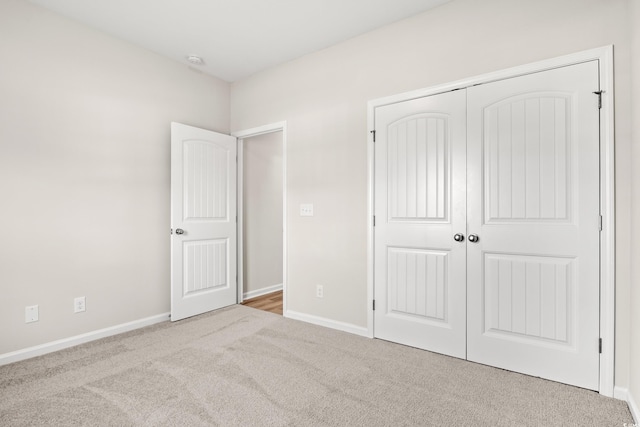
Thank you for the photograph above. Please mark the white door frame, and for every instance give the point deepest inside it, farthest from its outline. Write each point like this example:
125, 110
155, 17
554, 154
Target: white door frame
607, 201
242, 135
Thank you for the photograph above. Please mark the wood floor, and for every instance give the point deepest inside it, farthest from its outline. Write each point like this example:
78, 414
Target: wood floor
270, 302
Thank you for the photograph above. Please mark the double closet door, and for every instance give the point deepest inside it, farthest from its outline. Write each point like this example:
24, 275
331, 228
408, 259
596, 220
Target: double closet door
488, 224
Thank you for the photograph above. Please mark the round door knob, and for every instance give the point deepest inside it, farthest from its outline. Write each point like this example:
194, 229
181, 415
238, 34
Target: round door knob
458, 237
473, 238
179, 231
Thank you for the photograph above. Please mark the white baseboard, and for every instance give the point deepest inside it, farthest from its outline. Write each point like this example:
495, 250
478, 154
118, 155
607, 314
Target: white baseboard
624, 394
260, 292
633, 407
620, 393
328, 323
50, 347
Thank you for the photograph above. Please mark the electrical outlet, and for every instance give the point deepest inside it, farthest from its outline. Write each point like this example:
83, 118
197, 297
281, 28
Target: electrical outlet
79, 305
306, 210
31, 314
319, 291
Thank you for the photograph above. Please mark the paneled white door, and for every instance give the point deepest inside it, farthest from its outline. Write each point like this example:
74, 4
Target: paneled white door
513, 167
203, 221
420, 154
533, 201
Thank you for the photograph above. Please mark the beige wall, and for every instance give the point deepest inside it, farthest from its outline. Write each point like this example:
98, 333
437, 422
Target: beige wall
262, 211
84, 173
323, 97
634, 386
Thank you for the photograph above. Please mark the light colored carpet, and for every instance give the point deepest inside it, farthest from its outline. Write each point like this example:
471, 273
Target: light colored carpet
243, 367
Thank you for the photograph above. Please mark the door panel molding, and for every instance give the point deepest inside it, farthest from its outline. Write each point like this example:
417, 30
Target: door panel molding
604, 56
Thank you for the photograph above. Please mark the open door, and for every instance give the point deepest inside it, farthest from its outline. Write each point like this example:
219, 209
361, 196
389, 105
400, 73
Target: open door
203, 221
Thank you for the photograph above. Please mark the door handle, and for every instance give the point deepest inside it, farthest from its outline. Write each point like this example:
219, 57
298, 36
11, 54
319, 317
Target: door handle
473, 238
458, 237
179, 231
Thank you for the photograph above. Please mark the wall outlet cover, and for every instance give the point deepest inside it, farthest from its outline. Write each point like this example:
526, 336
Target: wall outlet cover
306, 209
79, 305
31, 314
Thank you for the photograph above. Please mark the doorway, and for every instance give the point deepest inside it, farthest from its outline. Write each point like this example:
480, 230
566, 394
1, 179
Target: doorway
261, 216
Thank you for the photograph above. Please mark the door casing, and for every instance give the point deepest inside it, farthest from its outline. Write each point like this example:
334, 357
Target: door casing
607, 206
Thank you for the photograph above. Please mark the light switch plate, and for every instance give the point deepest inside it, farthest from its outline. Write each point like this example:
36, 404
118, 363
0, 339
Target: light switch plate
306, 210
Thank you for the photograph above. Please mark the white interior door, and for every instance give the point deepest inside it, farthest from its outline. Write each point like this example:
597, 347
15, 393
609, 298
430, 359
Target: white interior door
203, 221
420, 154
520, 180
533, 201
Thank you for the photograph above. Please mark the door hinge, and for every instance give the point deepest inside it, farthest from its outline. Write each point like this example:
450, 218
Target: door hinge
600, 345
599, 93
374, 305
600, 222
374, 135
374, 220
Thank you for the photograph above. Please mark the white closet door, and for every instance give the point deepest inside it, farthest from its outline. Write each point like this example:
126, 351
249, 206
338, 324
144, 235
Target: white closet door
533, 202
419, 205
203, 219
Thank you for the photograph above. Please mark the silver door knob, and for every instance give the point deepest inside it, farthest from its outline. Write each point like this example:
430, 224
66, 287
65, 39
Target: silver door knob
473, 238
458, 237
179, 231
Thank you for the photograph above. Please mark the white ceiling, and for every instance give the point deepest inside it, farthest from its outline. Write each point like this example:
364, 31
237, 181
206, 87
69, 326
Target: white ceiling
237, 38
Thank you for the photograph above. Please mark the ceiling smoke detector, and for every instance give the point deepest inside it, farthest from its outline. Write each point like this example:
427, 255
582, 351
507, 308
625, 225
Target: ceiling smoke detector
195, 60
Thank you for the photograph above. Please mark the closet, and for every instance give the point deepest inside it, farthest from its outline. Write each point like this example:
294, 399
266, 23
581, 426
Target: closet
487, 223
